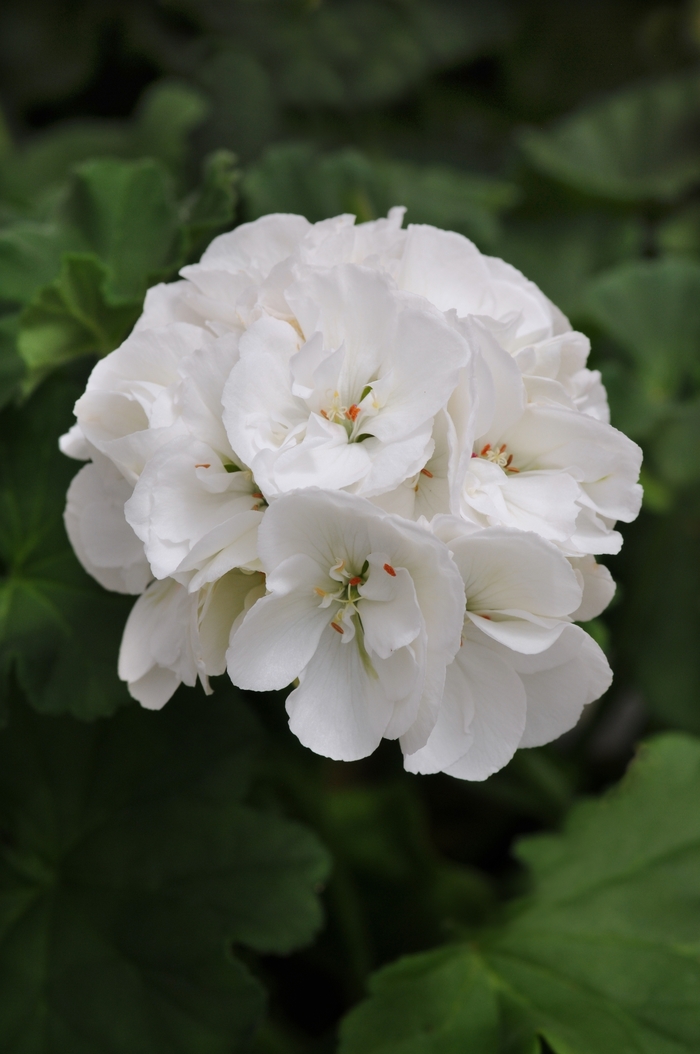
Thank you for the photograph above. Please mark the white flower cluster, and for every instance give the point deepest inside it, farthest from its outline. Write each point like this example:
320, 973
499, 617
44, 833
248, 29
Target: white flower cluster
369, 461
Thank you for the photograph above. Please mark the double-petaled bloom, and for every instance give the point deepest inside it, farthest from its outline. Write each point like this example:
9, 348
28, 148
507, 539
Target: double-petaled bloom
369, 461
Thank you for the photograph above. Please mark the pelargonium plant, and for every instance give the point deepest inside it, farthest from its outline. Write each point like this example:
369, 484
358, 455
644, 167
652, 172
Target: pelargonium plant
369, 462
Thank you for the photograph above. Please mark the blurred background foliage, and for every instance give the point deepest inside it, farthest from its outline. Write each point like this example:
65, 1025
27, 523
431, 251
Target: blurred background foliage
157, 871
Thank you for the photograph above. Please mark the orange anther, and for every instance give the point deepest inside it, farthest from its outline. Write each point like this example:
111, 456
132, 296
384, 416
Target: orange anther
352, 412
208, 466
488, 617
426, 473
337, 628
356, 581
319, 592
511, 469
390, 570
256, 494
485, 450
324, 414
510, 458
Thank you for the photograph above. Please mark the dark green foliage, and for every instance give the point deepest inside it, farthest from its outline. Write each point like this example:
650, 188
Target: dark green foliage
601, 957
54, 619
643, 144
151, 889
130, 868
297, 179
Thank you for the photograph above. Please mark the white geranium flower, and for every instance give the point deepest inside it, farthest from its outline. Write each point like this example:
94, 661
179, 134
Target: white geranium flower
597, 585
244, 273
238, 270
346, 397
427, 493
174, 636
299, 361
102, 539
364, 608
195, 506
561, 473
523, 673
128, 407
193, 510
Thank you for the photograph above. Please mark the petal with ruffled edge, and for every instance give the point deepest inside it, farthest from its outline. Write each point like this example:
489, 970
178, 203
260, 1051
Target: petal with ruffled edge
484, 717
340, 709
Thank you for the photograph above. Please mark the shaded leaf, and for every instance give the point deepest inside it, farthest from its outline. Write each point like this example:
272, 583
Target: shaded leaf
439, 1001
59, 630
30, 256
160, 128
641, 144
129, 867
602, 958
652, 309
72, 316
562, 253
657, 629
297, 179
212, 206
125, 212
12, 366
167, 114
675, 449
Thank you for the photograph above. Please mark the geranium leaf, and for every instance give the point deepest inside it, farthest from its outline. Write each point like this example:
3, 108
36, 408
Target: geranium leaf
298, 179
126, 213
72, 316
602, 958
641, 144
59, 630
30, 256
12, 367
652, 309
130, 867
212, 206
439, 1001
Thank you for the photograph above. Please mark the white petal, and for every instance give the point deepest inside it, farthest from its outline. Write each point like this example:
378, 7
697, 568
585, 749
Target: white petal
74, 444
504, 569
557, 695
155, 688
598, 587
339, 709
389, 609
103, 541
276, 640
224, 602
499, 711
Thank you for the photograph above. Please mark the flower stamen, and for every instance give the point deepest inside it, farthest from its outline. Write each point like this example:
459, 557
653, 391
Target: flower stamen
497, 456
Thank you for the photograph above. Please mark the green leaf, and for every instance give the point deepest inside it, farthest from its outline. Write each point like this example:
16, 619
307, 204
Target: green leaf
439, 1001
675, 449
297, 179
562, 253
652, 309
212, 206
361, 53
163, 121
641, 144
59, 630
167, 114
72, 316
125, 212
657, 629
129, 868
12, 367
602, 958
30, 256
